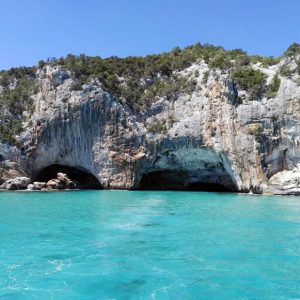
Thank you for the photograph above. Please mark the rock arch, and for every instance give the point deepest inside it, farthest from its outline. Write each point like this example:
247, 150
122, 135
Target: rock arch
189, 168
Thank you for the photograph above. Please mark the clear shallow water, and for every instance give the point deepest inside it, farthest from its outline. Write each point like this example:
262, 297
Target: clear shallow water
148, 245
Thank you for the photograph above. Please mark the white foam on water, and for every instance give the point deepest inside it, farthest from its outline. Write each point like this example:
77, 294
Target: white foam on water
59, 265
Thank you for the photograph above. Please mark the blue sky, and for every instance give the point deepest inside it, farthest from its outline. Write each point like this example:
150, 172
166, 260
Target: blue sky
31, 30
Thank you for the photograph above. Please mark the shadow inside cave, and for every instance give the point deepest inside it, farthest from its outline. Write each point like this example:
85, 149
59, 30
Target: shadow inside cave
176, 180
83, 178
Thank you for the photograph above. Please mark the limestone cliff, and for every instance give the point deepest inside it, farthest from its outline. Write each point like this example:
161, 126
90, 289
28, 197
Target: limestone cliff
205, 138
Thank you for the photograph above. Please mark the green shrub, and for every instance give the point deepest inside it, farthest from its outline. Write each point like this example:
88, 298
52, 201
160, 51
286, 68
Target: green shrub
9, 130
298, 66
253, 81
205, 77
220, 61
273, 87
239, 100
158, 126
196, 73
285, 71
15, 100
76, 86
266, 61
292, 50
171, 119
41, 64
169, 89
18, 99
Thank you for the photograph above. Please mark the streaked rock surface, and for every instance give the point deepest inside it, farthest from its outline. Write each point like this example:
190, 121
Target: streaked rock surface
254, 146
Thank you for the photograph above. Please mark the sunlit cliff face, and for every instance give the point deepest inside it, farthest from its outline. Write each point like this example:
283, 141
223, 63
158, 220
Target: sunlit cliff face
217, 137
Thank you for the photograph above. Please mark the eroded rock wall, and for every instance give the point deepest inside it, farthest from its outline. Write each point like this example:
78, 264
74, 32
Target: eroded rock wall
208, 136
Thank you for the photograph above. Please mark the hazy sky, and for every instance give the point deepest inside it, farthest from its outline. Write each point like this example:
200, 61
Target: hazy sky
31, 30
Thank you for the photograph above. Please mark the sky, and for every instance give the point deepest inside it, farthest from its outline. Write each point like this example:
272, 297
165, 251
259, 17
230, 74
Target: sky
31, 30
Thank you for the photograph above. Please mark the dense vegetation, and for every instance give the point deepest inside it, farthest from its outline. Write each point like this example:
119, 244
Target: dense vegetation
273, 87
292, 50
253, 81
18, 85
141, 80
298, 66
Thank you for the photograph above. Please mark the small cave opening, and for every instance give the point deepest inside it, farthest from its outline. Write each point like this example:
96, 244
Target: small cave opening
82, 178
176, 180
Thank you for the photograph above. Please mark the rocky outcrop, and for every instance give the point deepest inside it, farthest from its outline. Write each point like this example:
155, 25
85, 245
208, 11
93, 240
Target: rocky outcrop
37, 186
208, 137
61, 182
18, 183
286, 182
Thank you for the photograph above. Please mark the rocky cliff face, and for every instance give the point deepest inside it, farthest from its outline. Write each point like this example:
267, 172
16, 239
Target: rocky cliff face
207, 139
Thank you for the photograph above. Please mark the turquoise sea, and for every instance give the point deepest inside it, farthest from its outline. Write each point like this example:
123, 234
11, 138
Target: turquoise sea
148, 245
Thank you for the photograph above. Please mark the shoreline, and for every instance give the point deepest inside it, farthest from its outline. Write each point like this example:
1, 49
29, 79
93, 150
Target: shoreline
137, 190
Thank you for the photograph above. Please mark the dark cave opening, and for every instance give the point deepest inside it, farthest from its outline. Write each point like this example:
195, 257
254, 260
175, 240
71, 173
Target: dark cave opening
208, 187
173, 180
82, 178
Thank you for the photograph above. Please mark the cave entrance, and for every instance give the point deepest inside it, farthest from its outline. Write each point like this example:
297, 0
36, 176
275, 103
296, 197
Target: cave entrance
82, 178
174, 180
